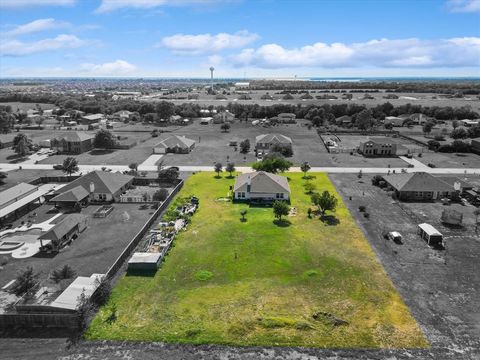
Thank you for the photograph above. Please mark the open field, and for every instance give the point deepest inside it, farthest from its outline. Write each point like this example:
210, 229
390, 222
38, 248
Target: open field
94, 251
451, 160
425, 99
267, 280
442, 288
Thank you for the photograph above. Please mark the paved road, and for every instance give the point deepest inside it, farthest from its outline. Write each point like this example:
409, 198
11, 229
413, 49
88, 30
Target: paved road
346, 170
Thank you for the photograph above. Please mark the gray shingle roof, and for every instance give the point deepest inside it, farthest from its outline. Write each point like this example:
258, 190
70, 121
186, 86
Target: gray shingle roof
74, 195
262, 182
63, 227
176, 141
105, 182
273, 138
420, 181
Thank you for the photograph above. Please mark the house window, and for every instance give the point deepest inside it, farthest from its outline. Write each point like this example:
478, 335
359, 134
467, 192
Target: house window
241, 195
279, 196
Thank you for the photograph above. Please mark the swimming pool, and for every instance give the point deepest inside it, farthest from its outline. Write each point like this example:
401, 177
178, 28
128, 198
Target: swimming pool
14, 240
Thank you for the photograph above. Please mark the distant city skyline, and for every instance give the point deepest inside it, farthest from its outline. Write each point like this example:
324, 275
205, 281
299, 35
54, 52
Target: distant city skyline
239, 38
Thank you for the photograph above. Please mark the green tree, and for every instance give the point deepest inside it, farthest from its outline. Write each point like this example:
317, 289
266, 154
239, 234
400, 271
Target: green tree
272, 165
6, 121
70, 166
324, 202
280, 208
133, 167
305, 167
365, 119
243, 213
459, 133
22, 147
160, 195
26, 281
218, 168
225, 127
164, 110
169, 174
245, 146
230, 168
427, 127
104, 139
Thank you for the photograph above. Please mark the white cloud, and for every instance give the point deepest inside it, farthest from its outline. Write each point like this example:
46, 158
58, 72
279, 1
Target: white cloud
464, 6
111, 5
455, 52
27, 3
36, 26
115, 68
207, 43
19, 48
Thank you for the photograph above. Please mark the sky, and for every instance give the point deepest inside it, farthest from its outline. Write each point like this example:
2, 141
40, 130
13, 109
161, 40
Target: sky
240, 38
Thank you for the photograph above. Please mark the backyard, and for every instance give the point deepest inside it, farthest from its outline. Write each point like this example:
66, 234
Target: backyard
300, 282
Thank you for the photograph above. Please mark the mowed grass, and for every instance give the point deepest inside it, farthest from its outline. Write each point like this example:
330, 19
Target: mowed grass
255, 283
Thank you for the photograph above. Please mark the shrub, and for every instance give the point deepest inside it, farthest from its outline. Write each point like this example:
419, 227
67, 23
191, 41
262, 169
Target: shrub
66, 272
203, 275
366, 215
362, 208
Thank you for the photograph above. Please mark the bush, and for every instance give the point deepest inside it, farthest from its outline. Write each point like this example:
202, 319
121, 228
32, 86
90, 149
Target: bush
362, 208
160, 195
63, 273
203, 275
366, 215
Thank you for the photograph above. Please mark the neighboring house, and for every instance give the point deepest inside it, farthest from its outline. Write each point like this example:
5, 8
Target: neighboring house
476, 145
222, 117
419, 186
174, 144
261, 186
175, 119
378, 146
286, 118
469, 123
206, 120
73, 142
101, 186
265, 142
63, 232
394, 121
91, 119
343, 120
122, 115
16, 199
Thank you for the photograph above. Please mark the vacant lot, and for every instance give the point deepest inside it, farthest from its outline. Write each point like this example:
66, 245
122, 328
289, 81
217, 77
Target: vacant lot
442, 288
258, 282
136, 154
454, 160
16, 177
212, 145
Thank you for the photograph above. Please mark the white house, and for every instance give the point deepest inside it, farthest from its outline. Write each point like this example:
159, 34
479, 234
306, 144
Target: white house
261, 186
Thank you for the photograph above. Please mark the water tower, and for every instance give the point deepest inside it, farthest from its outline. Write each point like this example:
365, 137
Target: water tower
212, 69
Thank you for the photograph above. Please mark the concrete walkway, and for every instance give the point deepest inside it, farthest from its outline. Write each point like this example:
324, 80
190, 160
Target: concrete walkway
150, 161
416, 163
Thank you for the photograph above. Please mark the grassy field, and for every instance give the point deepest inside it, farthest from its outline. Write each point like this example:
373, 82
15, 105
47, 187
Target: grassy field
258, 283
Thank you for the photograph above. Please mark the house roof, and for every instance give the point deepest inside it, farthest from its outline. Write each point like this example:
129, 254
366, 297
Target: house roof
76, 136
273, 138
344, 118
93, 117
76, 194
16, 192
176, 141
63, 227
262, 182
451, 180
104, 182
287, 115
420, 181
429, 229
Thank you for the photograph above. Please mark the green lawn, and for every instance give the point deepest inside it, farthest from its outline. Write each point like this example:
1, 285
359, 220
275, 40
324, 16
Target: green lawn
256, 283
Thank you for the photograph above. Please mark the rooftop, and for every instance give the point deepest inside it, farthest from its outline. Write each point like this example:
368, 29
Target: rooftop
262, 182
420, 181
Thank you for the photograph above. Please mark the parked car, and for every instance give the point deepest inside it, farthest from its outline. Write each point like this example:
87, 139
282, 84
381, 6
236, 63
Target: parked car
431, 165
58, 167
395, 236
